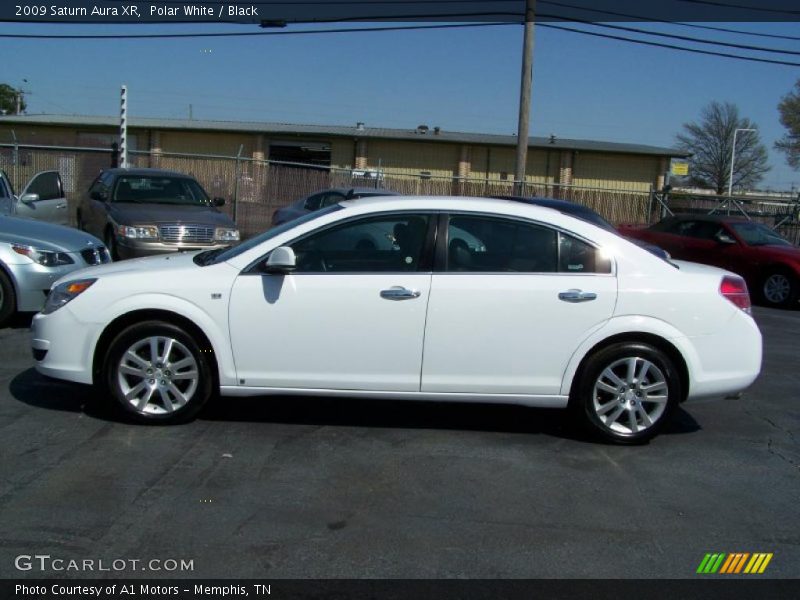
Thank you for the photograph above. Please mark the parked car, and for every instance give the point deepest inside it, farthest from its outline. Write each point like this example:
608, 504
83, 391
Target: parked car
33, 255
545, 310
42, 198
585, 213
141, 212
769, 263
324, 198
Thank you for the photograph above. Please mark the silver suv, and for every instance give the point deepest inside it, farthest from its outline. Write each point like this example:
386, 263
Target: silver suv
141, 212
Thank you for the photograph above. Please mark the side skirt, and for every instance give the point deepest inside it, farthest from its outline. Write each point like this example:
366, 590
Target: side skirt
522, 399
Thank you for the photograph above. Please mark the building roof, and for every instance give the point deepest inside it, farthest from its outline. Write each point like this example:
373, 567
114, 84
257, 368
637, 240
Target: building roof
358, 131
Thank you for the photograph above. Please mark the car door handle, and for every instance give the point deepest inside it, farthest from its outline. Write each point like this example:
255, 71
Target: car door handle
576, 296
398, 292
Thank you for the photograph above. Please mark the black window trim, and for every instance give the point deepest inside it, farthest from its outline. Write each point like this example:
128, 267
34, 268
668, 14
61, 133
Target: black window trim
425, 265
440, 266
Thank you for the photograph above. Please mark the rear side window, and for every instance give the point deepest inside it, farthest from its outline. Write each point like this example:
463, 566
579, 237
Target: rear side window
576, 256
493, 245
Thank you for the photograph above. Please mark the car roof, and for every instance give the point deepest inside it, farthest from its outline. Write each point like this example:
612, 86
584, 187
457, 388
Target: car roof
147, 172
706, 217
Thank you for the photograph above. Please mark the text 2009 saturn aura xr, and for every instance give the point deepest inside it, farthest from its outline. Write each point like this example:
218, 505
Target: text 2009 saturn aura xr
462, 299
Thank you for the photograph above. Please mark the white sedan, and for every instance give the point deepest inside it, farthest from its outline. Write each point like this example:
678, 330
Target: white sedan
462, 299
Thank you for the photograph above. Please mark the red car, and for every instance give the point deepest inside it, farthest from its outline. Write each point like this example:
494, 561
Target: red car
769, 263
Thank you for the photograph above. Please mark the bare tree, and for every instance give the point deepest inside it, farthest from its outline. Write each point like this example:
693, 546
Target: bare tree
710, 141
789, 109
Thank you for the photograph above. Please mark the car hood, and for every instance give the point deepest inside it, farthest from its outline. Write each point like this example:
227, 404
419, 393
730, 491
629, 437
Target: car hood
791, 252
157, 265
45, 236
130, 213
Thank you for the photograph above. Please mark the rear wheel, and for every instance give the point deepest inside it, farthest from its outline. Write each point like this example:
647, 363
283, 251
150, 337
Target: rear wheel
626, 392
158, 373
779, 289
8, 298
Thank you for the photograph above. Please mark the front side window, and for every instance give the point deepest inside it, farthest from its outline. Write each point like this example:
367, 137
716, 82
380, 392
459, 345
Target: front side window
389, 243
492, 245
47, 185
159, 190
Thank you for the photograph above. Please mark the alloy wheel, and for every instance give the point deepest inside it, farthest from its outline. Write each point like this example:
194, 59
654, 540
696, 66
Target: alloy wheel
777, 288
630, 395
158, 375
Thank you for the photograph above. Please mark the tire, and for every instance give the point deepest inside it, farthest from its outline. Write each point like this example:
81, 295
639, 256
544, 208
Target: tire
8, 298
622, 406
779, 289
170, 387
111, 244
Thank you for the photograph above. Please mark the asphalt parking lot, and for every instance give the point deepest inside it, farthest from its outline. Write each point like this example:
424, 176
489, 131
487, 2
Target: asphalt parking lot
288, 487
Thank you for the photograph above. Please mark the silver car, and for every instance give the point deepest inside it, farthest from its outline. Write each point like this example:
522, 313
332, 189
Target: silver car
33, 255
42, 198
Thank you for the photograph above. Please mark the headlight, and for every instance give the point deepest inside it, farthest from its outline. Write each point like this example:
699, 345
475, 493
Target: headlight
64, 292
46, 258
138, 232
226, 235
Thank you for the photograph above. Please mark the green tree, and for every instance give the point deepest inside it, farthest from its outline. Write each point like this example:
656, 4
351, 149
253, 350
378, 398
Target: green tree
8, 100
710, 141
789, 109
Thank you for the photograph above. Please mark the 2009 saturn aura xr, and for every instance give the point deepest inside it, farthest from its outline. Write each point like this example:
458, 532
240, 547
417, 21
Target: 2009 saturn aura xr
461, 299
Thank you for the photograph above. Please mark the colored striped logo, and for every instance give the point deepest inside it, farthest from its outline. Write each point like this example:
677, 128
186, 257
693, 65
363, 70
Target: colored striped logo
735, 563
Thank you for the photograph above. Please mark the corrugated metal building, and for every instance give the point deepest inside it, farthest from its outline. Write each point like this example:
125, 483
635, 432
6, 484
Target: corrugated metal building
420, 152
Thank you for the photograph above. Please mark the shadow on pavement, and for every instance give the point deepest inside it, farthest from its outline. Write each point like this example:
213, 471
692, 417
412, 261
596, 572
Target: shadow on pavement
36, 390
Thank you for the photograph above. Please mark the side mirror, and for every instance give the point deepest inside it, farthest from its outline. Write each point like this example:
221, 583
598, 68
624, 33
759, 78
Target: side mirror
724, 238
281, 260
218, 202
28, 198
99, 196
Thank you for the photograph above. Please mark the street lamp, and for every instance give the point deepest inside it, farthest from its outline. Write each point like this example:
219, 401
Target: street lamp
733, 159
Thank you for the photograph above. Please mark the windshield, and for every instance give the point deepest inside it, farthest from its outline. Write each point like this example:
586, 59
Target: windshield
159, 190
758, 234
207, 258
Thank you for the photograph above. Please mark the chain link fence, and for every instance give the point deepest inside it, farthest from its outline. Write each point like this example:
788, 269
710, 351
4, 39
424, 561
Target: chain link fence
255, 189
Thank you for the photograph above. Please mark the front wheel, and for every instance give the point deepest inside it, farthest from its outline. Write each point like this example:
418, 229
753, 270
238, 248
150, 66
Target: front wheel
8, 298
779, 289
158, 373
626, 392
111, 244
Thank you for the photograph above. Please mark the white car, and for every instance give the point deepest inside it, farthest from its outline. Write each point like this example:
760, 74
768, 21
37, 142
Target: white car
548, 310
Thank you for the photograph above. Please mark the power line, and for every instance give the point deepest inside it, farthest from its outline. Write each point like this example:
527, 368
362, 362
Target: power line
740, 7
670, 46
401, 28
652, 20
684, 38
242, 33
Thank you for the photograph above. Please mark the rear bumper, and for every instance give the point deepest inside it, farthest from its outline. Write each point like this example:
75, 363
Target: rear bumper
728, 361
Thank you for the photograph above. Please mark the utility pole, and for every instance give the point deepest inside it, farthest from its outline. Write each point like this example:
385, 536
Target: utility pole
524, 99
20, 96
123, 127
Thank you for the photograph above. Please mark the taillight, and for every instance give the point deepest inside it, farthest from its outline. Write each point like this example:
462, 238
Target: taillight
735, 290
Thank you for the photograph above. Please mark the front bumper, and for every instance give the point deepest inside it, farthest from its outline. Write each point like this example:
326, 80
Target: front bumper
33, 282
63, 346
139, 248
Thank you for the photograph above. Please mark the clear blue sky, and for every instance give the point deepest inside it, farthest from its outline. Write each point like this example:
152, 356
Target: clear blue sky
465, 80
